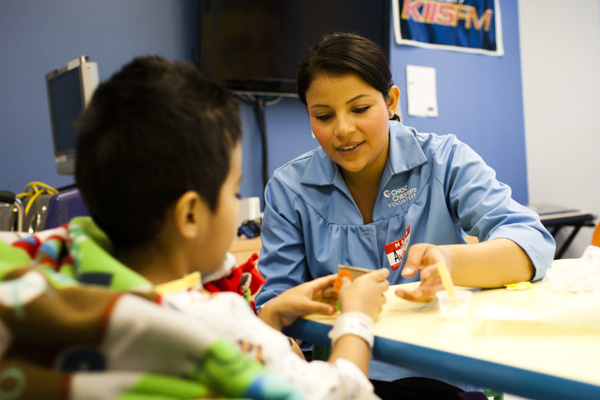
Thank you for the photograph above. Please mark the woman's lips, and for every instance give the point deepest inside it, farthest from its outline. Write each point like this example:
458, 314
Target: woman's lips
349, 149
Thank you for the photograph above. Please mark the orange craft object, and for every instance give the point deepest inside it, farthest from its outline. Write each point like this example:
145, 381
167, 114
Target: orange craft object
338, 281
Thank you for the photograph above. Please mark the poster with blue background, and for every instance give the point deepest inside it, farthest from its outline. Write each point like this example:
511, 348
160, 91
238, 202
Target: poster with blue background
461, 25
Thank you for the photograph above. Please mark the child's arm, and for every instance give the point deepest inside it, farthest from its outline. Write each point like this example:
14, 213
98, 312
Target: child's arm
487, 265
316, 296
364, 295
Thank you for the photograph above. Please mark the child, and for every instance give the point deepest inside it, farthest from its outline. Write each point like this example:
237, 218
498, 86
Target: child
159, 166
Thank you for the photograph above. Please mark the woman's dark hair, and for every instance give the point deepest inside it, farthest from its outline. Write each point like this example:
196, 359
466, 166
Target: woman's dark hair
341, 54
153, 131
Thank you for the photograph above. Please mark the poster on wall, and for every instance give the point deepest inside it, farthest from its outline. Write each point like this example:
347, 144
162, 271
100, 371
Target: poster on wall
472, 26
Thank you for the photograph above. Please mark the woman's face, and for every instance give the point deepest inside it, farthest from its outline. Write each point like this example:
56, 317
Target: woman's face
350, 119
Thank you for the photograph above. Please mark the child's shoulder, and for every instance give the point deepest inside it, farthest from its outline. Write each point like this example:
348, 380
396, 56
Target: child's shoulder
199, 302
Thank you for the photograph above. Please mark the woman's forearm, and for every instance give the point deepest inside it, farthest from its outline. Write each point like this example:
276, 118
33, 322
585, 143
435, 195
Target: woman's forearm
488, 264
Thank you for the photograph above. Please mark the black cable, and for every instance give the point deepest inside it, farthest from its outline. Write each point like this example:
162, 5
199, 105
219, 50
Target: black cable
259, 104
259, 108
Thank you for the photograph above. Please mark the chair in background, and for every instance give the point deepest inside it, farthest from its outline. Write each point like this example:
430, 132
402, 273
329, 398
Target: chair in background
63, 206
12, 213
39, 208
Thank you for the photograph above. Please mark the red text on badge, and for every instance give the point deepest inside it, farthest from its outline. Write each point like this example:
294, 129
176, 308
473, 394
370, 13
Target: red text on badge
396, 250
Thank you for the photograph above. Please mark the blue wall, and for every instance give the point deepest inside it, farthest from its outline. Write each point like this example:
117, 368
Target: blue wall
37, 36
479, 100
479, 97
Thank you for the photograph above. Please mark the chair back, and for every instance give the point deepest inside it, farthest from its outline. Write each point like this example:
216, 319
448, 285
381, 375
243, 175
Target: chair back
63, 206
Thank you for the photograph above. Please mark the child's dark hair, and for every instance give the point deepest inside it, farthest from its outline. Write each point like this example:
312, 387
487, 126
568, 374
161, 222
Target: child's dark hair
153, 131
341, 54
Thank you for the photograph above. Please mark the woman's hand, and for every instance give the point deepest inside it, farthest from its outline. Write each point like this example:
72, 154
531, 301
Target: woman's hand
488, 264
316, 296
423, 257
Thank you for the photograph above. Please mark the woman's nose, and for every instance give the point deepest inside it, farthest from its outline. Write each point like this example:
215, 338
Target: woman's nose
344, 126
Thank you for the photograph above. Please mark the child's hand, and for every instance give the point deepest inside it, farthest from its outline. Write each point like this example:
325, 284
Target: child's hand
316, 296
423, 257
365, 293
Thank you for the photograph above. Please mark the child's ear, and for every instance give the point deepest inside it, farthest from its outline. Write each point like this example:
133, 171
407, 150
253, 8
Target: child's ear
191, 215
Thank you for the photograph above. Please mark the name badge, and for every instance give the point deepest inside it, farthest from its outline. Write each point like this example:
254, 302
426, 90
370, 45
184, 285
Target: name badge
396, 250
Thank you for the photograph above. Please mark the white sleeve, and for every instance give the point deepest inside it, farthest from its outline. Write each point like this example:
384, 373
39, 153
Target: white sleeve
229, 315
323, 380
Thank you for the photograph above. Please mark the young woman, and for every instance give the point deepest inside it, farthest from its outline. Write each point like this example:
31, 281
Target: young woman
379, 194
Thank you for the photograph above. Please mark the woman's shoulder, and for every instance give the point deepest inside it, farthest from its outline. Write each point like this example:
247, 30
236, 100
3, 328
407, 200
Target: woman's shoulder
311, 168
400, 131
297, 165
432, 144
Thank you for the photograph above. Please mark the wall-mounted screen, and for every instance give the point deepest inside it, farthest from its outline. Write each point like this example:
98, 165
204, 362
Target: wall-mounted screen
255, 46
69, 90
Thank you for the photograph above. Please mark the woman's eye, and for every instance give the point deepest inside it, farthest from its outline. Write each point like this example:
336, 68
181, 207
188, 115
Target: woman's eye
323, 117
238, 196
361, 110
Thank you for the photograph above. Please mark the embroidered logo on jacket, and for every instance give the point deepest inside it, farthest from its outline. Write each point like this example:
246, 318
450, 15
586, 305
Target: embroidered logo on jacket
400, 195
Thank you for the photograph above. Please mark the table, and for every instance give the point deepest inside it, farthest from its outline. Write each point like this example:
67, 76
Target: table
242, 249
529, 359
554, 218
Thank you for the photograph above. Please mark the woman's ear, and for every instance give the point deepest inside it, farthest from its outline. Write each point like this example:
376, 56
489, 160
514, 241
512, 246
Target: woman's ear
191, 215
393, 99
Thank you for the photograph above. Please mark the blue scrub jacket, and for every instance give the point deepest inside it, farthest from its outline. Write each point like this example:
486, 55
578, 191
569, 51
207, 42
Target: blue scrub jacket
434, 189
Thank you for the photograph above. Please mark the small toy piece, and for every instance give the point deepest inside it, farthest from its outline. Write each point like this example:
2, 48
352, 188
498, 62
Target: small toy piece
514, 287
349, 272
355, 272
337, 284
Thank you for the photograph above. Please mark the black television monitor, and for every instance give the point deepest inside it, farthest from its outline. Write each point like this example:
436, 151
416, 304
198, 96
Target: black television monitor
255, 46
70, 88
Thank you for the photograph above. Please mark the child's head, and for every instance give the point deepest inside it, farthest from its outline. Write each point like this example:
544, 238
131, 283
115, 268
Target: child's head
342, 54
153, 132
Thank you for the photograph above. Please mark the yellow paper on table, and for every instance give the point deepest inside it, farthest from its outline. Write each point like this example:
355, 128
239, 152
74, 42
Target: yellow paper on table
446, 278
